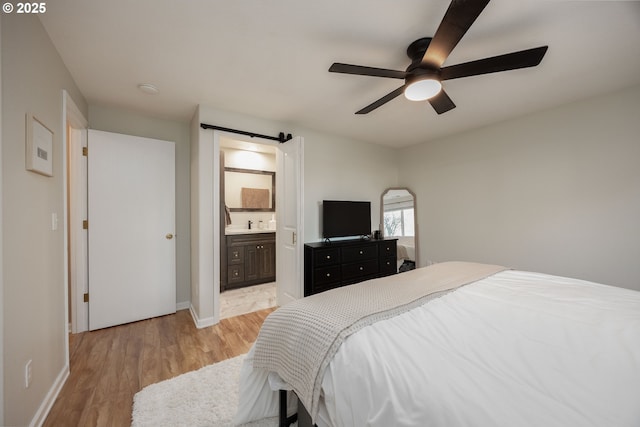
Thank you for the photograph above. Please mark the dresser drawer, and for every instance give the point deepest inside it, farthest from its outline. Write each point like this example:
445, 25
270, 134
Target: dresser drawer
325, 275
388, 249
327, 256
358, 269
388, 266
358, 253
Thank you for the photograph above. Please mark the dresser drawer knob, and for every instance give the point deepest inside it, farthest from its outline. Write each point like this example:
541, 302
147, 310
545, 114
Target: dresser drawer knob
388, 248
328, 256
328, 274
361, 268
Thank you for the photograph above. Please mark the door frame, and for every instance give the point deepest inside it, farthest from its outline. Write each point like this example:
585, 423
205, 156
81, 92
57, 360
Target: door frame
217, 219
75, 258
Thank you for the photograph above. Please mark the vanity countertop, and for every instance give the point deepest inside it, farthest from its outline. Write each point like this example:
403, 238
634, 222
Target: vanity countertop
229, 231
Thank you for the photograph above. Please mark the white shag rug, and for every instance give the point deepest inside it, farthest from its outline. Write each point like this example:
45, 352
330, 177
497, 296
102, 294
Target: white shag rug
204, 398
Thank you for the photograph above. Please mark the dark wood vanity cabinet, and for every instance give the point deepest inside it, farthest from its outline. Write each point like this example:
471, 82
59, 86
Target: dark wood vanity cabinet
260, 261
251, 259
341, 263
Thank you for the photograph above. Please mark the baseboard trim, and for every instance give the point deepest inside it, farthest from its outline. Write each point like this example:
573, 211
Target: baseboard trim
201, 323
184, 305
46, 405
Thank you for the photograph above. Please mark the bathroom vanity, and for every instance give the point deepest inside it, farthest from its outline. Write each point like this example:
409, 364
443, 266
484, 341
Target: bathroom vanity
251, 258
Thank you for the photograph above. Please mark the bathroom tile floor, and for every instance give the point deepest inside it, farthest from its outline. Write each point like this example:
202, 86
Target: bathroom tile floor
235, 302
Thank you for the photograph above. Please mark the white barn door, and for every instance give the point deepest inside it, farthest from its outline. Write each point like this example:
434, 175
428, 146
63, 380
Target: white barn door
289, 209
131, 215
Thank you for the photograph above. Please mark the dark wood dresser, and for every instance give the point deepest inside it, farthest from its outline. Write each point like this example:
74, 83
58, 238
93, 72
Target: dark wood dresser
341, 263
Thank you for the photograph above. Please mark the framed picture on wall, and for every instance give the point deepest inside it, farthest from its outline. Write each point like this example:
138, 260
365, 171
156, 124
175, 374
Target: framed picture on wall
39, 150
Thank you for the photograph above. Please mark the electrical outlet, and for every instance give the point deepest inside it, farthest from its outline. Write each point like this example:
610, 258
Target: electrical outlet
27, 374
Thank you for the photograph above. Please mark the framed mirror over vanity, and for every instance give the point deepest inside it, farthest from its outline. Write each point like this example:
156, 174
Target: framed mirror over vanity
248, 190
398, 219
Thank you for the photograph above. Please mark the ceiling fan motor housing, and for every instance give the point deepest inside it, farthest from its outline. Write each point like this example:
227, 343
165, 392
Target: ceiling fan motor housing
416, 51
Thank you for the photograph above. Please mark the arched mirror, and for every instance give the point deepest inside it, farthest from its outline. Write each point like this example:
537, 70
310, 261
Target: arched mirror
398, 219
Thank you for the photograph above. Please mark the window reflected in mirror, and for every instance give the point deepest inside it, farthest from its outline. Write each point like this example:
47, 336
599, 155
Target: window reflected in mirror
398, 222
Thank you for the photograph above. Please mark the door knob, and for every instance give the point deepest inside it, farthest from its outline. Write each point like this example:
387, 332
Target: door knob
169, 236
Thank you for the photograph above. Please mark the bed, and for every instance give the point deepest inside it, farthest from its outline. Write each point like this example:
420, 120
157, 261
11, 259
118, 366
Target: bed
406, 248
406, 253
498, 348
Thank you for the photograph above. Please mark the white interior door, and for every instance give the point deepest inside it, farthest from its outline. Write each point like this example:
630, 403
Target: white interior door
289, 209
131, 213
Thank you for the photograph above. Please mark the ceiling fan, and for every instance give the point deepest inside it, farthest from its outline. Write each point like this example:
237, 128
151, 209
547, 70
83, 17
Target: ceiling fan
423, 77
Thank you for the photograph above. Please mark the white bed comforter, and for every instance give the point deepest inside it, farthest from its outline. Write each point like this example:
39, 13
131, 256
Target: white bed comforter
515, 349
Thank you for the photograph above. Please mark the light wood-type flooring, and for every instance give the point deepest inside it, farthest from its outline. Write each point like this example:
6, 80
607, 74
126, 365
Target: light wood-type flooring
109, 366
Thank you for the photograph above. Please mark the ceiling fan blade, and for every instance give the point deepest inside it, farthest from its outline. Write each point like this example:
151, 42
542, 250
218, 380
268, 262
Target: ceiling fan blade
510, 61
366, 71
388, 97
459, 17
441, 102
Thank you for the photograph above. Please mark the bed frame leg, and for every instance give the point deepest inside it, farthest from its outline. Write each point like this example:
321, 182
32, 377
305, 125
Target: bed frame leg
283, 420
304, 419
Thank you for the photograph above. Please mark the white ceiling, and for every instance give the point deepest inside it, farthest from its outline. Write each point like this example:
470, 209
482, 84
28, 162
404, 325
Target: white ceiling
269, 59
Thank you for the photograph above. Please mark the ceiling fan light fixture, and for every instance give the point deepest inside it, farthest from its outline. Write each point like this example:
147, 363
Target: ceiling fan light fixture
421, 90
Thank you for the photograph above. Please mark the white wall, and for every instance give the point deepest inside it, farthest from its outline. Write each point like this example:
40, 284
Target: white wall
133, 123
557, 192
245, 159
33, 77
340, 169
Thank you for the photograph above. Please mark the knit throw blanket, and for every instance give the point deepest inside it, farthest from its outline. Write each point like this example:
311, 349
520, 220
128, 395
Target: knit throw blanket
299, 340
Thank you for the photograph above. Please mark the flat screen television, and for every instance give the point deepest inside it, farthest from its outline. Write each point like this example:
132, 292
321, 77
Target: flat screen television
345, 218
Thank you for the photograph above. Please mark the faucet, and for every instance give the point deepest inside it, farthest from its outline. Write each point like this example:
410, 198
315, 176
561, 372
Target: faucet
250, 222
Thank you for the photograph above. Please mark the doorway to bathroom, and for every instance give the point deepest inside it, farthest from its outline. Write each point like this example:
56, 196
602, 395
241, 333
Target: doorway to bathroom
248, 226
